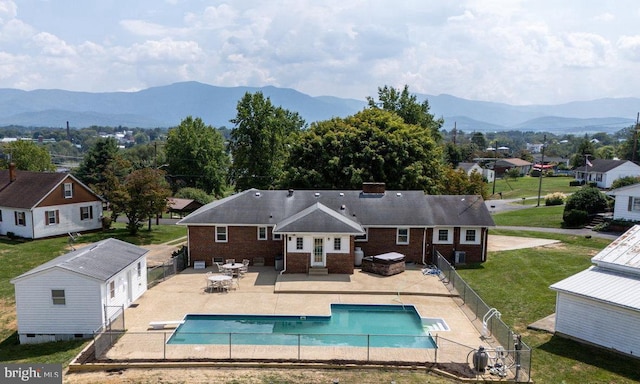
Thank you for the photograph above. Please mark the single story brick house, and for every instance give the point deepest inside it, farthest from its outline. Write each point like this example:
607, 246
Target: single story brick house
322, 229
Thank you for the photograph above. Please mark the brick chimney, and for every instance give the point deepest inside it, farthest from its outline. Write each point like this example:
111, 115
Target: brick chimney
12, 172
373, 187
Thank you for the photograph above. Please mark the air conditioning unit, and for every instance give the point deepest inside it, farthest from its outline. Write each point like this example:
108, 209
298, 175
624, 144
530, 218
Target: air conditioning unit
459, 257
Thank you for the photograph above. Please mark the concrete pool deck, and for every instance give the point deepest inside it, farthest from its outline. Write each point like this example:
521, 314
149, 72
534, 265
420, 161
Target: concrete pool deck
264, 291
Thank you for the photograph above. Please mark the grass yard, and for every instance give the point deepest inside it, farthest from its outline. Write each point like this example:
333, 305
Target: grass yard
532, 216
523, 296
527, 186
17, 257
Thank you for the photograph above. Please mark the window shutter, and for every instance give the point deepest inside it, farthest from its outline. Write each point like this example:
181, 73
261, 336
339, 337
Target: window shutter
57, 216
630, 206
46, 217
15, 216
91, 212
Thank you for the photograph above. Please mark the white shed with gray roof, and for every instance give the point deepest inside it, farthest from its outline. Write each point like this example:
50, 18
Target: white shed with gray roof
601, 305
80, 292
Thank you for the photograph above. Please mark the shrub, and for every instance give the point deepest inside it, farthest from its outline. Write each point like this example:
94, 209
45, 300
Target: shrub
588, 199
574, 183
556, 198
575, 217
106, 223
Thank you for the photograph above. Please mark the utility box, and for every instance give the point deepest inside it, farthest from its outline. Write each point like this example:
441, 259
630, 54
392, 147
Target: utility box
279, 263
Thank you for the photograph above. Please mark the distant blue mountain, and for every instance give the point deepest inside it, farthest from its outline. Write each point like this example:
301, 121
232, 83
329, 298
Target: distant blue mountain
166, 106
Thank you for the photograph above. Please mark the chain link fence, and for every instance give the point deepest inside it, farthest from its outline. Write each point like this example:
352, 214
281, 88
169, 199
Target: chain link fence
506, 345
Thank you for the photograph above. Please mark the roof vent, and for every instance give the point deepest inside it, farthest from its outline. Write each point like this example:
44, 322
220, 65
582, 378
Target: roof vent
343, 207
317, 194
398, 194
257, 194
290, 192
341, 194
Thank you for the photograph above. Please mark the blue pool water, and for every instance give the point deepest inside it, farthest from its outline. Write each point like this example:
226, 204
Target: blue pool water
393, 326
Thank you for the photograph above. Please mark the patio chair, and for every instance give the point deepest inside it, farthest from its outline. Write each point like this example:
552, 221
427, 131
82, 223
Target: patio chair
221, 269
244, 269
209, 286
230, 261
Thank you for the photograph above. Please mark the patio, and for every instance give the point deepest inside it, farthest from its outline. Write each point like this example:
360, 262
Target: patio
264, 291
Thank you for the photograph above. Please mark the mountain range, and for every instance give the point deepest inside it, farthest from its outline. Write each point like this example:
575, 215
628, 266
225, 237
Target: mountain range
166, 106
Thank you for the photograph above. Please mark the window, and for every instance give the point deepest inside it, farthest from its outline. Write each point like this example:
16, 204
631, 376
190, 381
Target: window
68, 190
299, 243
20, 219
112, 289
469, 236
262, 233
57, 297
634, 204
443, 235
402, 236
277, 236
221, 234
337, 243
362, 237
0, 215
86, 213
52, 217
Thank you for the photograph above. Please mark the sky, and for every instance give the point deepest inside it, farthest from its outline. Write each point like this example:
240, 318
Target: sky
518, 52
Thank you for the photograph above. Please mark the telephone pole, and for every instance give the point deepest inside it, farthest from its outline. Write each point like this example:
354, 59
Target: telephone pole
544, 144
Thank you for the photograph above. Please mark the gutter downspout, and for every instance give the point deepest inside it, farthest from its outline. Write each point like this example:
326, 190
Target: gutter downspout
284, 255
484, 243
424, 244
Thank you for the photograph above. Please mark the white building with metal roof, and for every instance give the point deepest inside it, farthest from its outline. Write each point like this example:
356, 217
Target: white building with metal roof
601, 305
78, 293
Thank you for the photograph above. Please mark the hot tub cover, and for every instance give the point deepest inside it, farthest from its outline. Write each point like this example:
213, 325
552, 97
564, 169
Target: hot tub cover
390, 256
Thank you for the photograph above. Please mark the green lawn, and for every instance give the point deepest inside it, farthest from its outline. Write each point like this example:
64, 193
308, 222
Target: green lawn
17, 257
527, 186
532, 216
520, 290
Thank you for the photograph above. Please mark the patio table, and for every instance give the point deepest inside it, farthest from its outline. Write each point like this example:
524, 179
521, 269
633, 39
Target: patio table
235, 267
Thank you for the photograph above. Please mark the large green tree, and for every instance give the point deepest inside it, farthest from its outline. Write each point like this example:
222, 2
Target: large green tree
259, 141
143, 195
406, 105
101, 155
27, 156
372, 145
196, 157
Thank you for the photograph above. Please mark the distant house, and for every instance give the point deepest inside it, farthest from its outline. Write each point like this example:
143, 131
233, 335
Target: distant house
604, 172
42, 204
627, 202
78, 293
601, 305
181, 207
503, 165
469, 168
321, 229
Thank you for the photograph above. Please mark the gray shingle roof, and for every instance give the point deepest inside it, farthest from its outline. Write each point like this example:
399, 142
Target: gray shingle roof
603, 165
28, 188
319, 218
101, 260
391, 209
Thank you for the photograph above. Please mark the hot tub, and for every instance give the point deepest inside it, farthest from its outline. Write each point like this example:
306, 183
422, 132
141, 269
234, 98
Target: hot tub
386, 264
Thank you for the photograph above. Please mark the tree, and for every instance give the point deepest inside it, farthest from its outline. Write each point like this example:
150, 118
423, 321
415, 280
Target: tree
99, 157
624, 181
372, 145
194, 194
196, 157
584, 148
28, 156
588, 199
259, 141
142, 196
459, 183
407, 107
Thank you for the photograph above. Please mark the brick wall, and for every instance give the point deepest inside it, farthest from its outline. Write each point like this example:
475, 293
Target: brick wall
242, 243
340, 263
383, 240
297, 263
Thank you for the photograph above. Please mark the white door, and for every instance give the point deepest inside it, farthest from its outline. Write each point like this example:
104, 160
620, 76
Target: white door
318, 257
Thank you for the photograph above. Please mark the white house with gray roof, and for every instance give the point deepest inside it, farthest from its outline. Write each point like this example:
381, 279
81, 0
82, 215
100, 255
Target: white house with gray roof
601, 305
78, 293
603, 172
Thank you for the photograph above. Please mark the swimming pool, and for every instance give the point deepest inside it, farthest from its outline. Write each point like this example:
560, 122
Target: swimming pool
359, 325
